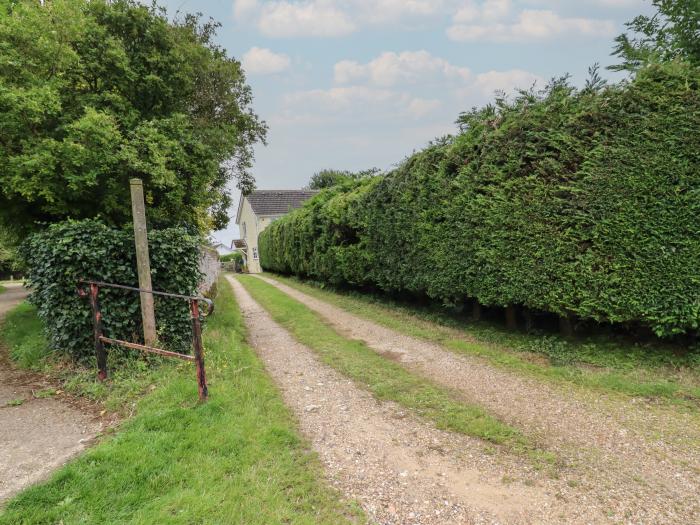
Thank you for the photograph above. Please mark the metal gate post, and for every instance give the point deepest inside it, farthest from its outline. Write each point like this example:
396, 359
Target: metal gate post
198, 350
100, 353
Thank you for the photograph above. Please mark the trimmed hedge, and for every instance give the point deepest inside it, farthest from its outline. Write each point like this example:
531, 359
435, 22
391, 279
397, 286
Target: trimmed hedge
67, 252
575, 202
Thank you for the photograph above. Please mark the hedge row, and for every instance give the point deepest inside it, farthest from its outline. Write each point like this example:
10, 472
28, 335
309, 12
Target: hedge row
60, 256
576, 202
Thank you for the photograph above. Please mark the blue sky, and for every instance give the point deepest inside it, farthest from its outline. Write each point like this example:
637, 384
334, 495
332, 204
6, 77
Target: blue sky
354, 84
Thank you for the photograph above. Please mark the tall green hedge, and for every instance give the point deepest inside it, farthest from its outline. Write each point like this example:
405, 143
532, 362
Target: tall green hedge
60, 256
576, 202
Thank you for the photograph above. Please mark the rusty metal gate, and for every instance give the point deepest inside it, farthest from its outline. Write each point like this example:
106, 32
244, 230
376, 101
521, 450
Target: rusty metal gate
101, 340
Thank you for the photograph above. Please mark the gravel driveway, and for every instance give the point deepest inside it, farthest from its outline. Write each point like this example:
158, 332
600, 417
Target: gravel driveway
626, 461
37, 435
400, 469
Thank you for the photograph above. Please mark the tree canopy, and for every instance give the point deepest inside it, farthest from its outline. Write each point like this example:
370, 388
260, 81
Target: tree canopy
95, 93
672, 33
329, 178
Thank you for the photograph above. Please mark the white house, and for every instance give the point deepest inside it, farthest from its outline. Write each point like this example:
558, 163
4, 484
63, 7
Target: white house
222, 249
257, 211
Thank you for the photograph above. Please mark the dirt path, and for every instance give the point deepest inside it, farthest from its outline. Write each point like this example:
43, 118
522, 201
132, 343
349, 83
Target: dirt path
37, 435
612, 464
401, 470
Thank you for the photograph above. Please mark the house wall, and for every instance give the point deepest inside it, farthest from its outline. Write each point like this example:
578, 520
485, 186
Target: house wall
254, 225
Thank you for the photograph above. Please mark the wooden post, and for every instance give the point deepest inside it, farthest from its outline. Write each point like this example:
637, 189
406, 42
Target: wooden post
198, 350
100, 353
143, 262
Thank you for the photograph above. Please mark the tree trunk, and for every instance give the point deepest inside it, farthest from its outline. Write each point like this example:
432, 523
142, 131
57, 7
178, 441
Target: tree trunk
566, 326
476, 311
511, 318
529, 320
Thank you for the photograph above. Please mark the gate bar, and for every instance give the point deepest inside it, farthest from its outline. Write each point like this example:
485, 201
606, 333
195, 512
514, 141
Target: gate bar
100, 339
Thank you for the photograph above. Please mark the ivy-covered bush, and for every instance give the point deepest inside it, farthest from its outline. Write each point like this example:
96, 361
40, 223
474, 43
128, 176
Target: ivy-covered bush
579, 203
60, 256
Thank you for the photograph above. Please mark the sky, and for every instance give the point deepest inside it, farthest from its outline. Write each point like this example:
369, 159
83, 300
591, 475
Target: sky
356, 84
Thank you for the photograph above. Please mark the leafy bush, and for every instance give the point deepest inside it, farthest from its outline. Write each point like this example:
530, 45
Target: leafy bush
60, 256
235, 257
575, 202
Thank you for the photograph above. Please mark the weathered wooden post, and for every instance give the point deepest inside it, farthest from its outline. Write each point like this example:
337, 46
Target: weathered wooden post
143, 262
100, 353
198, 350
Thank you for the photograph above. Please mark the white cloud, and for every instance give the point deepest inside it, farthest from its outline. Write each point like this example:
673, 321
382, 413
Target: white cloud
356, 103
331, 18
389, 11
243, 8
311, 18
421, 107
472, 11
260, 61
530, 24
390, 68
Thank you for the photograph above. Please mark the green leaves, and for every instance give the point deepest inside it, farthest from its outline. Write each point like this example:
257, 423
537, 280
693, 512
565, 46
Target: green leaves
66, 252
571, 202
95, 93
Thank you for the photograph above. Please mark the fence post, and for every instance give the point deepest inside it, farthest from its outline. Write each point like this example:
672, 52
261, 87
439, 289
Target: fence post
198, 350
100, 353
143, 263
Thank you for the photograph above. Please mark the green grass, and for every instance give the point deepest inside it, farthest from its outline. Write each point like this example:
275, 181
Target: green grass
385, 379
236, 459
604, 363
2, 288
130, 373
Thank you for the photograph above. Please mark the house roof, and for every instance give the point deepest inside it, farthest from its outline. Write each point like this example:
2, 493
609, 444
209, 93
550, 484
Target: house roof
275, 202
239, 244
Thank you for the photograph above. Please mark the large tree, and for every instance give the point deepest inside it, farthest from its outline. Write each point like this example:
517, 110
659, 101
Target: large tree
94, 93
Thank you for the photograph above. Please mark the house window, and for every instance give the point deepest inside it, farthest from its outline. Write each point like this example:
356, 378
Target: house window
255, 254
244, 231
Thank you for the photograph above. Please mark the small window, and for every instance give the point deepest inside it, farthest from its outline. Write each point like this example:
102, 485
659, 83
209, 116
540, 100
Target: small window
244, 231
255, 254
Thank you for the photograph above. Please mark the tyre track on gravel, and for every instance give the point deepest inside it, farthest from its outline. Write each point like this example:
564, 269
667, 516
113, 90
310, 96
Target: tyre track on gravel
613, 469
402, 470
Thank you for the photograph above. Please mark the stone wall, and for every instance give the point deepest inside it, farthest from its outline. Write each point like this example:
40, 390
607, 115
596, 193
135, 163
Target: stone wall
210, 266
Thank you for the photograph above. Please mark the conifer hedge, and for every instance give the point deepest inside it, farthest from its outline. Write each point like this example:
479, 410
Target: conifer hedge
579, 203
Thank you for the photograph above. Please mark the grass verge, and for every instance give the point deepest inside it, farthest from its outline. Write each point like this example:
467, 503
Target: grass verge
384, 378
236, 459
2, 288
603, 363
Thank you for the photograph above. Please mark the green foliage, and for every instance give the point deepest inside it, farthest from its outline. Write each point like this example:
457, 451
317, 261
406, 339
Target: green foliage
236, 257
94, 93
329, 178
60, 256
574, 202
672, 33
